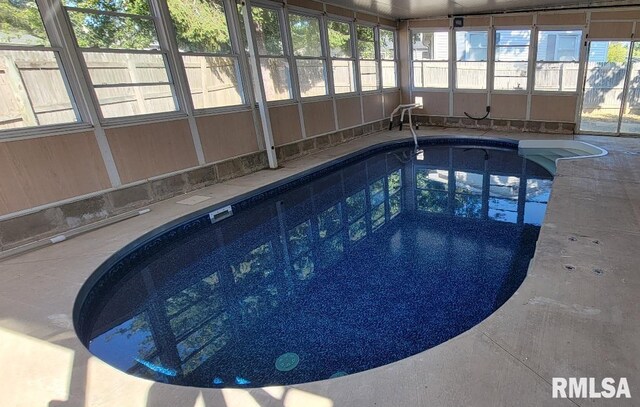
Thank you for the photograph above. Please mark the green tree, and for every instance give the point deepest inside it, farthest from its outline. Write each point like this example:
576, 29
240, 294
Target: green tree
21, 24
105, 31
267, 31
617, 52
366, 42
339, 39
305, 35
201, 25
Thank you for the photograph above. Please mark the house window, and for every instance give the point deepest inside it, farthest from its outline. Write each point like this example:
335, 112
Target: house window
308, 53
210, 62
369, 76
430, 59
388, 58
557, 61
511, 59
274, 64
126, 65
33, 86
471, 59
342, 56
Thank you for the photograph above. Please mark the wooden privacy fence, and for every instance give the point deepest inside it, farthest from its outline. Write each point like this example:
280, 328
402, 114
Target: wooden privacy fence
32, 91
550, 76
604, 87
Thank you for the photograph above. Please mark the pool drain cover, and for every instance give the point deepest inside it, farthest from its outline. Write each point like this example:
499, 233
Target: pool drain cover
287, 361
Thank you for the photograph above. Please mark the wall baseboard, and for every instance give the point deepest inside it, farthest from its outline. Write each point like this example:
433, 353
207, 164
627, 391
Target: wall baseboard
532, 126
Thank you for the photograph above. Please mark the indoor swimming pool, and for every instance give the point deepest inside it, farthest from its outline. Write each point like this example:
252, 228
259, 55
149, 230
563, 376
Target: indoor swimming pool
371, 259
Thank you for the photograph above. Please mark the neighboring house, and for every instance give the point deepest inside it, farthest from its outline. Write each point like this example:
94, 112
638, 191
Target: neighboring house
430, 46
598, 51
472, 46
560, 46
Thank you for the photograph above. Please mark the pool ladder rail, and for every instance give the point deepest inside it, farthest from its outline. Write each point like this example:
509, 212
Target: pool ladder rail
406, 108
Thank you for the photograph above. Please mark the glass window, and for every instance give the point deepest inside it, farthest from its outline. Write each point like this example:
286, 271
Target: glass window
342, 60
274, 64
388, 57
125, 83
21, 24
367, 58
430, 55
511, 59
33, 86
212, 73
557, 61
307, 49
267, 30
471, 59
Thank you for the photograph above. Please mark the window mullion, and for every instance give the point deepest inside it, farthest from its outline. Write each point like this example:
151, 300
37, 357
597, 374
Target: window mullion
60, 36
533, 47
378, 56
454, 59
168, 43
109, 13
326, 52
237, 47
287, 49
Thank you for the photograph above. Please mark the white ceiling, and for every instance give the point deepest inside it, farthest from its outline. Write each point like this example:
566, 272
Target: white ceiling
406, 9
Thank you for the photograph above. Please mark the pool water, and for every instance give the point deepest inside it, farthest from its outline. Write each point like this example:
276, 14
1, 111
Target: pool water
368, 264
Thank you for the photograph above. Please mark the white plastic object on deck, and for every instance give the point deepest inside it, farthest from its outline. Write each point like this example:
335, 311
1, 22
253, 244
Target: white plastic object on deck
547, 153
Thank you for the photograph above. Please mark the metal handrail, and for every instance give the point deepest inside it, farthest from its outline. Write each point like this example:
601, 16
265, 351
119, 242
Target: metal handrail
406, 108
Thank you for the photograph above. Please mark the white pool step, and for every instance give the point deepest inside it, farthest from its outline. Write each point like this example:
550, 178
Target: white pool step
546, 153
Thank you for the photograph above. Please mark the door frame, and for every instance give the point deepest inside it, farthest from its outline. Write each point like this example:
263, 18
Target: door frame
625, 89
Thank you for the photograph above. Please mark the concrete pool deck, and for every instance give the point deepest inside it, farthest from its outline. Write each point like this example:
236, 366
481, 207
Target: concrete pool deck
576, 314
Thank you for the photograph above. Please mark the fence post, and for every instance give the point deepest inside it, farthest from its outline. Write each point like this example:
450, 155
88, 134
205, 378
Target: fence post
203, 81
131, 66
20, 91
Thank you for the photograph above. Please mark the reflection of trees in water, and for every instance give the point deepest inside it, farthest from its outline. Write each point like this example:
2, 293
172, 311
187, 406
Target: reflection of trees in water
468, 206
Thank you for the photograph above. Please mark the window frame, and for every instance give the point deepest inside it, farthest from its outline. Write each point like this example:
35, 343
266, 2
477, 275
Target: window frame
286, 51
376, 59
354, 59
449, 60
324, 49
236, 53
533, 45
582, 60
60, 50
395, 57
454, 60
163, 49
